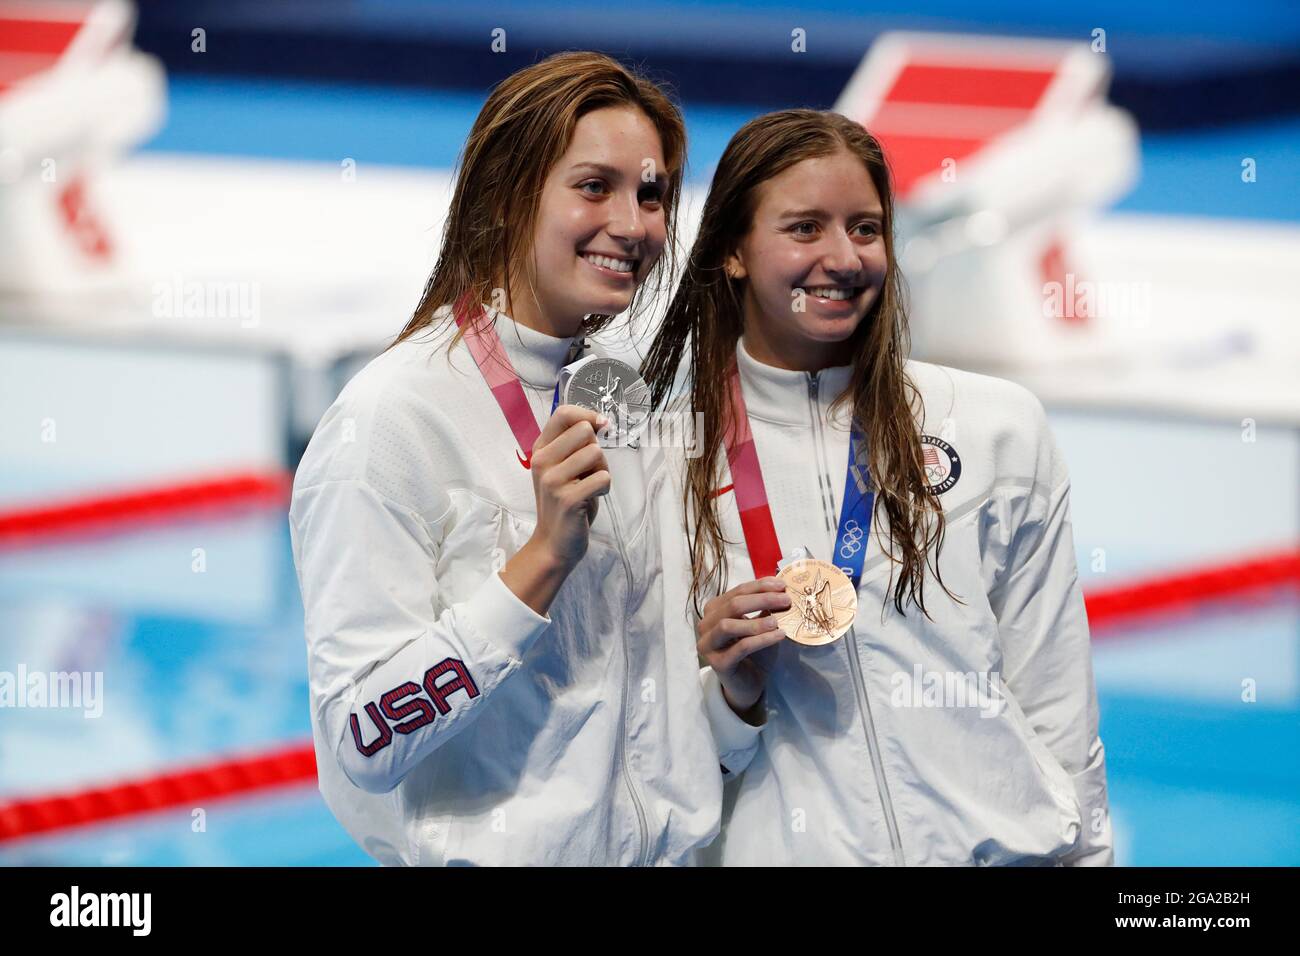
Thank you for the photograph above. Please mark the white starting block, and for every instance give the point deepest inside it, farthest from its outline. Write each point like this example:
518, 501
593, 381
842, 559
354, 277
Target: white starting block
74, 96
997, 147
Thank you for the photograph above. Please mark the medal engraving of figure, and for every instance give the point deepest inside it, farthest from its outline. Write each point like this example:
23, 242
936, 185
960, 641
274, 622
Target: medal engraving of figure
823, 601
610, 387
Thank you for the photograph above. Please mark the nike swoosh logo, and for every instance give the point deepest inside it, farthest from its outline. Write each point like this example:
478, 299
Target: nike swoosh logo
526, 462
719, 492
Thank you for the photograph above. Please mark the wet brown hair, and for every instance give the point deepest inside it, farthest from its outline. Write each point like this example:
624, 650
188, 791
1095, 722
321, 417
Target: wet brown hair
705, 319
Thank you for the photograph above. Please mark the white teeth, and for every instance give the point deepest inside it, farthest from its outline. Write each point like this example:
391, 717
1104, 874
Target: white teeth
618, 265
834, 294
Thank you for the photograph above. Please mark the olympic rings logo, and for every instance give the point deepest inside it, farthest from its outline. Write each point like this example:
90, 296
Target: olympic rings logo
853, 535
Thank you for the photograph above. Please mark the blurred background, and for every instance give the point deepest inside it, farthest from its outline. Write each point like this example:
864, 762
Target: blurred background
212, 214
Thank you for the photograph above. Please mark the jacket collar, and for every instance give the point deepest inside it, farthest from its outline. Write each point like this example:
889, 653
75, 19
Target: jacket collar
535, 356
782, 395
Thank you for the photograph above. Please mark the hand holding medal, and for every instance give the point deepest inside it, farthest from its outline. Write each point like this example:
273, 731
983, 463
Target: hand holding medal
569, 475
568, 468
736, 625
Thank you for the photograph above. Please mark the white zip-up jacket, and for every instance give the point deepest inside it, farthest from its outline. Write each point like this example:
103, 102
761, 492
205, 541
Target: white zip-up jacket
453, 724
971, 740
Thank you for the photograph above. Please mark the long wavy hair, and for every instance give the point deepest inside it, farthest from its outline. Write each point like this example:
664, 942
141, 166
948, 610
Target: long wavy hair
522, 130
705, 319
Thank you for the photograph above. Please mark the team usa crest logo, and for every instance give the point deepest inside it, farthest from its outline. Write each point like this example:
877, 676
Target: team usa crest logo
942, 464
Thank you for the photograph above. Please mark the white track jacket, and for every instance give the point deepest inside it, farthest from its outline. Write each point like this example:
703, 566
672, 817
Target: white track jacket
452, 724
971, 740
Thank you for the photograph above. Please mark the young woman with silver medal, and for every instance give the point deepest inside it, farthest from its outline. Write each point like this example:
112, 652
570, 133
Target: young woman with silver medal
489, 675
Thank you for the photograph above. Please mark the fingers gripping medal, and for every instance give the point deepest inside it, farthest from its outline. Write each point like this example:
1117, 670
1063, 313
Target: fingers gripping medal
612, 388
823, 601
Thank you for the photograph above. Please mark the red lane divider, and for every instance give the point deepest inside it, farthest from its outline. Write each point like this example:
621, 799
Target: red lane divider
112, 510
187, 787
1183, 590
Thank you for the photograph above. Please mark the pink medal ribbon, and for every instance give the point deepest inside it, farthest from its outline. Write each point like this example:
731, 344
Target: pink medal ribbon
751, 493
493, 363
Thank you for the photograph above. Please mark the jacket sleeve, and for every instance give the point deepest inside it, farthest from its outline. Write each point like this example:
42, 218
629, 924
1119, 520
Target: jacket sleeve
392, 676
737, 741
1047, 654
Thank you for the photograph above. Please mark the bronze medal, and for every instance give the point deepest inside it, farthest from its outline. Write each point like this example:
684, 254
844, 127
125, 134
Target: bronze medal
823, 601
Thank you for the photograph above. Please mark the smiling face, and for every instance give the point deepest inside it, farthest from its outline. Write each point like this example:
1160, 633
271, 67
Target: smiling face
814, 261
600, 226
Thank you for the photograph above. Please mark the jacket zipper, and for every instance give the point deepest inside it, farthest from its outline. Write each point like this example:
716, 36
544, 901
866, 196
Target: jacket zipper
828, 499
579, 345
642, 857
855, 662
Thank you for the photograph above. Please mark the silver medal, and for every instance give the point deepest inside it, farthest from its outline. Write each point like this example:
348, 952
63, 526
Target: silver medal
611, 388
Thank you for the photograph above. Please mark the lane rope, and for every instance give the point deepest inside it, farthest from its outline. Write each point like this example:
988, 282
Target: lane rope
183, 787
130, 508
